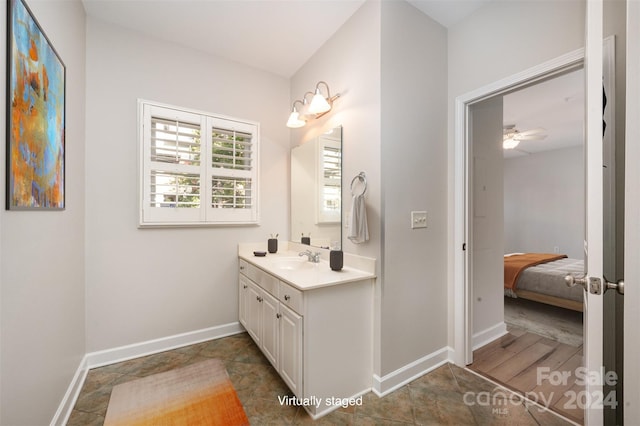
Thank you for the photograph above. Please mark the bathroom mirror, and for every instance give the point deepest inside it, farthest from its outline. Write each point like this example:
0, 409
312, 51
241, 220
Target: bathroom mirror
316, 191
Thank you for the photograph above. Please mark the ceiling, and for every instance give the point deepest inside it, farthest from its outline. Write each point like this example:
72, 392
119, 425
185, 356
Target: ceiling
555, 105
279, 36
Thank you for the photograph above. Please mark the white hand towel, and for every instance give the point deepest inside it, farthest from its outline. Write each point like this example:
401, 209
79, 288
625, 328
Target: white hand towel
358, 229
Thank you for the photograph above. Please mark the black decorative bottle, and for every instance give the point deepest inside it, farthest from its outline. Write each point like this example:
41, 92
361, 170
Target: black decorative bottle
336, 259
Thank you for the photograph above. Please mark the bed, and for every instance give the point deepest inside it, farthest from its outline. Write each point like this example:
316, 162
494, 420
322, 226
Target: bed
540, 277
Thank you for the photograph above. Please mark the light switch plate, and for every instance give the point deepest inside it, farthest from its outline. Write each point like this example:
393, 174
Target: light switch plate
418, 219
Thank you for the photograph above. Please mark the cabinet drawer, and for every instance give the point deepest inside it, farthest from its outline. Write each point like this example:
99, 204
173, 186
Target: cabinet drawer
243, 267
266, 281
292, 297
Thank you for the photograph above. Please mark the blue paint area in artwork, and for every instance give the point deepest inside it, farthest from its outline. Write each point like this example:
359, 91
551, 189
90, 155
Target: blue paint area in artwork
39, 75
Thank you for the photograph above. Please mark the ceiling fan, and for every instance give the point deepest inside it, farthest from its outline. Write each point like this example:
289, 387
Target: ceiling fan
512, 136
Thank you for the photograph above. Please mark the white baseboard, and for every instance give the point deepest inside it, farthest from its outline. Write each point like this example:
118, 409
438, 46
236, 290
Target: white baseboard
400, 377
61, 417
451, 353
489, 335
136, 350
327, 410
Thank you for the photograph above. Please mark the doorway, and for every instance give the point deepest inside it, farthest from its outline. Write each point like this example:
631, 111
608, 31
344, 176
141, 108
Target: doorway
527, 155
463, 190
592, 283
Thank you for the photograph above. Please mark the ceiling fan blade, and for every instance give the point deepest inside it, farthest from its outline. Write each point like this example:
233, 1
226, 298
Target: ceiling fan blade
522, 151
532, 131
522, 137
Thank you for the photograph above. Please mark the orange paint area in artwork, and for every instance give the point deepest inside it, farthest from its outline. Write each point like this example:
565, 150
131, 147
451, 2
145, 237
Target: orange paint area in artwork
29, 138
33, 51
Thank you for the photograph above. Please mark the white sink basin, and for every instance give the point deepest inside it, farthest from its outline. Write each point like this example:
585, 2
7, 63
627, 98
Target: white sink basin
293, 263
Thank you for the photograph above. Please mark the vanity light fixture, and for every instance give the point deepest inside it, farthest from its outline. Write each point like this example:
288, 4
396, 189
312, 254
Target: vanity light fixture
319, 103
319, 106
294, 121
304, 111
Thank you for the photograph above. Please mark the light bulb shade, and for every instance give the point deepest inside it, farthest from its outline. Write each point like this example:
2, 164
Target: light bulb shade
510, 143
294, 121
305, 114
319, 104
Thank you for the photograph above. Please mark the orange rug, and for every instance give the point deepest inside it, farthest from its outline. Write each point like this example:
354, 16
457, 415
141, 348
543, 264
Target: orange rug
199, 394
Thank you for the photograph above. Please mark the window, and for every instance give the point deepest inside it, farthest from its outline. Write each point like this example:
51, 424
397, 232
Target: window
329, 180
196, 168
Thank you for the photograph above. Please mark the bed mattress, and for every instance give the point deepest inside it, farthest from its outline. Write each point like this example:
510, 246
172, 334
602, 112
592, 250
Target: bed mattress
548, 278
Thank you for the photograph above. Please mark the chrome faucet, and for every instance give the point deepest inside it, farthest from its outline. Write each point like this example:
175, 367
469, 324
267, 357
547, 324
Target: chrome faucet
313, 257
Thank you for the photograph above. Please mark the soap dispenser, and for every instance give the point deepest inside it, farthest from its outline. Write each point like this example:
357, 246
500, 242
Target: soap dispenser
336, 258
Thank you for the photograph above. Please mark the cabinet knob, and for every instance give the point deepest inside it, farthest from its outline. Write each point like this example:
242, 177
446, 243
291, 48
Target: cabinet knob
245, 286
259, 299
242, 268
278, 316
287, 297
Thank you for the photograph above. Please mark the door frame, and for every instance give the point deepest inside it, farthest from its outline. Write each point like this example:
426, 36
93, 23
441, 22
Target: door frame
631, 382
462, 289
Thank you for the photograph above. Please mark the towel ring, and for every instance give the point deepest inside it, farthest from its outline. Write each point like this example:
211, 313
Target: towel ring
363, 179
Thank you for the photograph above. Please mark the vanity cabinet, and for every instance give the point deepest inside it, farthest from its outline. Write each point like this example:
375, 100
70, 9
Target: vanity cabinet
317, 334
275, 328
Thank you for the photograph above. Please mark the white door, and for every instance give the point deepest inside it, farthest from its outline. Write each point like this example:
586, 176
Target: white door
592, 398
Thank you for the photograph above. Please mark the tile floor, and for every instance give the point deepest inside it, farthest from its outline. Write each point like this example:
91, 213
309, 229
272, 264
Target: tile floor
447, 395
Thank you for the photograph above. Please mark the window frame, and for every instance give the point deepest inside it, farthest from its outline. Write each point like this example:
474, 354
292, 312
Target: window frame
205, 214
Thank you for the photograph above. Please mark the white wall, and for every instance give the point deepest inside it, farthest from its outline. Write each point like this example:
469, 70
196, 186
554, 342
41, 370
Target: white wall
350, 63
487, 243
491, 45
543, 193
144, 284
389, 62
42, 338
413, 164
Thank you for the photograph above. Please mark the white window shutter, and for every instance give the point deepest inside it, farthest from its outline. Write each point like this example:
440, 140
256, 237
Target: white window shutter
196, 168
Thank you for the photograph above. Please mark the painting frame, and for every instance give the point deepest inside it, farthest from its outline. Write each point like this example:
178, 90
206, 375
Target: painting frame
36, 115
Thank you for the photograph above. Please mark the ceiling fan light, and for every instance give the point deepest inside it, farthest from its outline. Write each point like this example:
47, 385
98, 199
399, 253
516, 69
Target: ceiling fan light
510, 143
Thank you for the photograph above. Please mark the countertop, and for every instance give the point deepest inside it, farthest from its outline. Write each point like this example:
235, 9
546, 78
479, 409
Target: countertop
315, 275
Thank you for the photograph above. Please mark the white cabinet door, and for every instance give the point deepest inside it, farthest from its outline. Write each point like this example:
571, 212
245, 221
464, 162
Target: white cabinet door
291, 349
270, 316
243, 299
254, 312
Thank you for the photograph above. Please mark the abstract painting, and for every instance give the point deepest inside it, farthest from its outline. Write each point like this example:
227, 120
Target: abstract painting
35, 115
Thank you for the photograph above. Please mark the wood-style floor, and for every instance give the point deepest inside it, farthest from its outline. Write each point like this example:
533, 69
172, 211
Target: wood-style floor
542, 369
